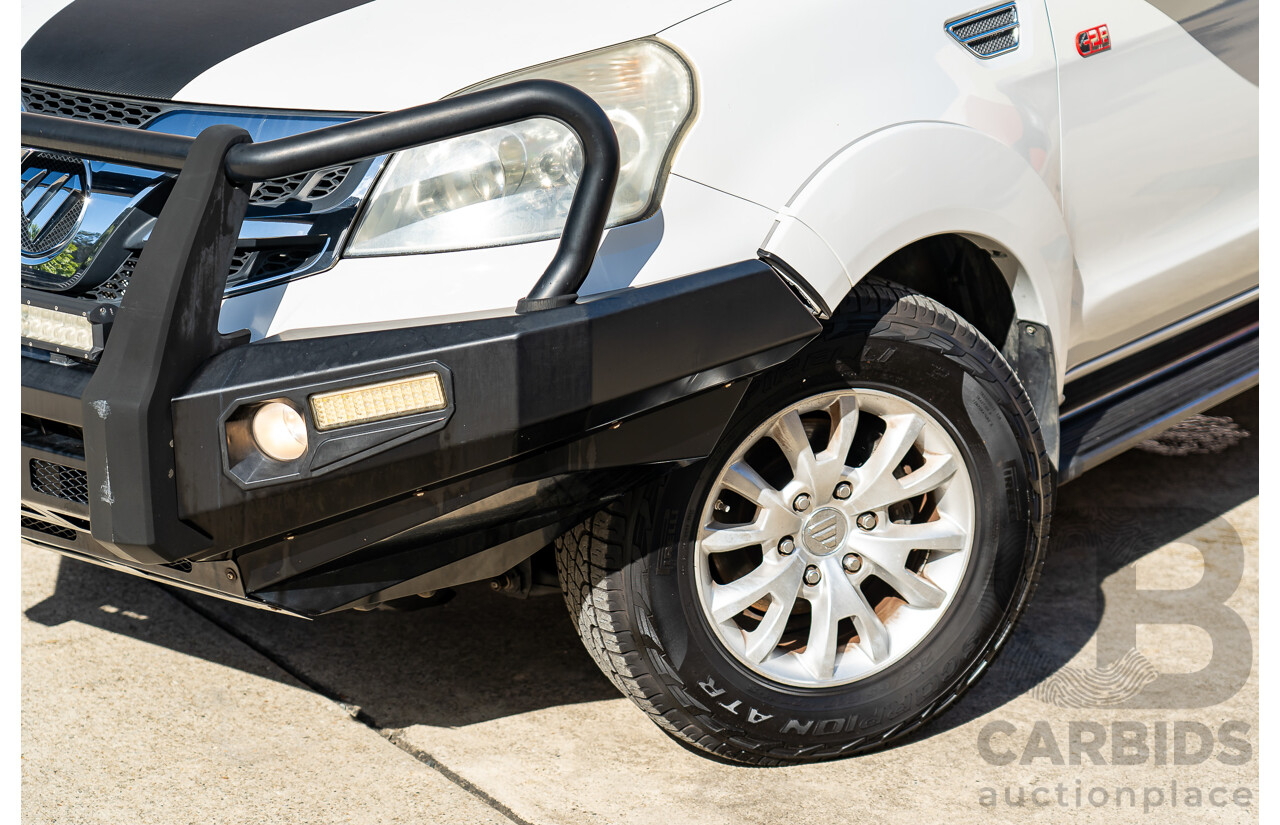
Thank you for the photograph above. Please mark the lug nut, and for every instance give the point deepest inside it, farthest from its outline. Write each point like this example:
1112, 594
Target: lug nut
867, 521
801, 503
852, 563
812, 575
843, 490
787, 546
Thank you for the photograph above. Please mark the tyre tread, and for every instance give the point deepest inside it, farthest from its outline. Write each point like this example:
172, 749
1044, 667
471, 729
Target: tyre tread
591, 557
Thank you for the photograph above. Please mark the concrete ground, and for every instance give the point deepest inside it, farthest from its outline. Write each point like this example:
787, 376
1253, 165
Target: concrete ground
141, 704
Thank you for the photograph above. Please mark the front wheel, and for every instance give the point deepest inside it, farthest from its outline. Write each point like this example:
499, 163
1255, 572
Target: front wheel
848, 559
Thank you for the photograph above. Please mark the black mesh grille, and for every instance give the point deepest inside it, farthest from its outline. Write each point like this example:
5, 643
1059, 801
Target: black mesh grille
48, 529
277, 189
239, 261
326, 181
262, 264
66, 483
57, 163
246, 265
113, 288
118, 111
982, 25
308, 186
277, 262
997, 43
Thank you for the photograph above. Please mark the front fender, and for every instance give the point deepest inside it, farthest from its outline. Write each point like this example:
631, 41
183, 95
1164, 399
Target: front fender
913, 180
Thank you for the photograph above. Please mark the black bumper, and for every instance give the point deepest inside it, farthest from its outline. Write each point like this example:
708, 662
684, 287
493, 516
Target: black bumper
548, 414
140, 461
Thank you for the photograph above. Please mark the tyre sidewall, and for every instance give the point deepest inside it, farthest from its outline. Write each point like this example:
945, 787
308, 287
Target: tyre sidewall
946, 379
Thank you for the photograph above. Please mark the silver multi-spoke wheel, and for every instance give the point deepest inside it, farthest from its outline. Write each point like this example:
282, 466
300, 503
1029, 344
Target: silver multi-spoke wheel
848, 558
834, 538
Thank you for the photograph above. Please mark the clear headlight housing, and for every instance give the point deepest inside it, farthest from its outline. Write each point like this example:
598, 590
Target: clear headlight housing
514, 184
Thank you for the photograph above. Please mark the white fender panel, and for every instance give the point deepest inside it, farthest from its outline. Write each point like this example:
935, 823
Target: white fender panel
804, 251
786, 86
915, 180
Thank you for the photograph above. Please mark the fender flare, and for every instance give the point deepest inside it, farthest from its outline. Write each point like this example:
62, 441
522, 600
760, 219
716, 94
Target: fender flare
915, 180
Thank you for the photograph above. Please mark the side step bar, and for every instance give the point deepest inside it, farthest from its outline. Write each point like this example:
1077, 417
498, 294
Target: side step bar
1101, 419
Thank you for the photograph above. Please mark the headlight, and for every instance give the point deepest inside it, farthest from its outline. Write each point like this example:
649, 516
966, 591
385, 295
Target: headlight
514, 184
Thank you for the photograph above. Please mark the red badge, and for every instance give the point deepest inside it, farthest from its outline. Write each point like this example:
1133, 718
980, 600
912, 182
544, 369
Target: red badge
1091, 41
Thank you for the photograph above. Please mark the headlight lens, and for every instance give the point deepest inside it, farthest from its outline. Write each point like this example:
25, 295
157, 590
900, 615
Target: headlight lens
514, 184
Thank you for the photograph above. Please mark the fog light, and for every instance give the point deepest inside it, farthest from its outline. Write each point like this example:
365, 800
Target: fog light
375, 402
280, 431
60, 329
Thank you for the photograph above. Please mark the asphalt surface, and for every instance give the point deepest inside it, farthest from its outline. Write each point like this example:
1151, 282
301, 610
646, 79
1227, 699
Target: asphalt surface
141, 704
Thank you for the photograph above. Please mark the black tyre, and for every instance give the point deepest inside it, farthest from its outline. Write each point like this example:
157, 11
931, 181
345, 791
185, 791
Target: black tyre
845, 563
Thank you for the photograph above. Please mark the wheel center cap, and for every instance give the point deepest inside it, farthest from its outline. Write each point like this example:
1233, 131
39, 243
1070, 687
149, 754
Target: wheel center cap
825, 530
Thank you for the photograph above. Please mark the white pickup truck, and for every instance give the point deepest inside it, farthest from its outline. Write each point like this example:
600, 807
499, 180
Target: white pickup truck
763, 331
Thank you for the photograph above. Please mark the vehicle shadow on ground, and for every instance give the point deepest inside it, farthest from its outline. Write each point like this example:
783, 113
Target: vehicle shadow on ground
1103, 522
484, 656
481, 656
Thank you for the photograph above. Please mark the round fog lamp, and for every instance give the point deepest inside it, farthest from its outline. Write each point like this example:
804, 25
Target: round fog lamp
280, 431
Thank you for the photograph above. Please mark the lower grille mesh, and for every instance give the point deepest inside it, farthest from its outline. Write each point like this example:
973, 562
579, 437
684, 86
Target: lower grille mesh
113, 288
66, 483
48, 529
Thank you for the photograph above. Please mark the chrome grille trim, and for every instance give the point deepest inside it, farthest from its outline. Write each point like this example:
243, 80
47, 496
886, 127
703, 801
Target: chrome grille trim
295, 225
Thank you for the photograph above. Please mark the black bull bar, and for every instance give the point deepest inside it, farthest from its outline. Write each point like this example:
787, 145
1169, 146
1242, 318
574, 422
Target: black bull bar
152, 411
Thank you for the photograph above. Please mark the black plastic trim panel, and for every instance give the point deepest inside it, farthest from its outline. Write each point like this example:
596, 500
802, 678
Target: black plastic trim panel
1149, 364
1111, 410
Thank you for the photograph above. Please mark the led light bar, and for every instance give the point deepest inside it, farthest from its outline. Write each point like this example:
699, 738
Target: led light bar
376, 402
60, 330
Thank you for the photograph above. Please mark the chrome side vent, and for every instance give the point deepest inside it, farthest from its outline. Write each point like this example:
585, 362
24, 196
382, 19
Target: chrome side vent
987, 33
